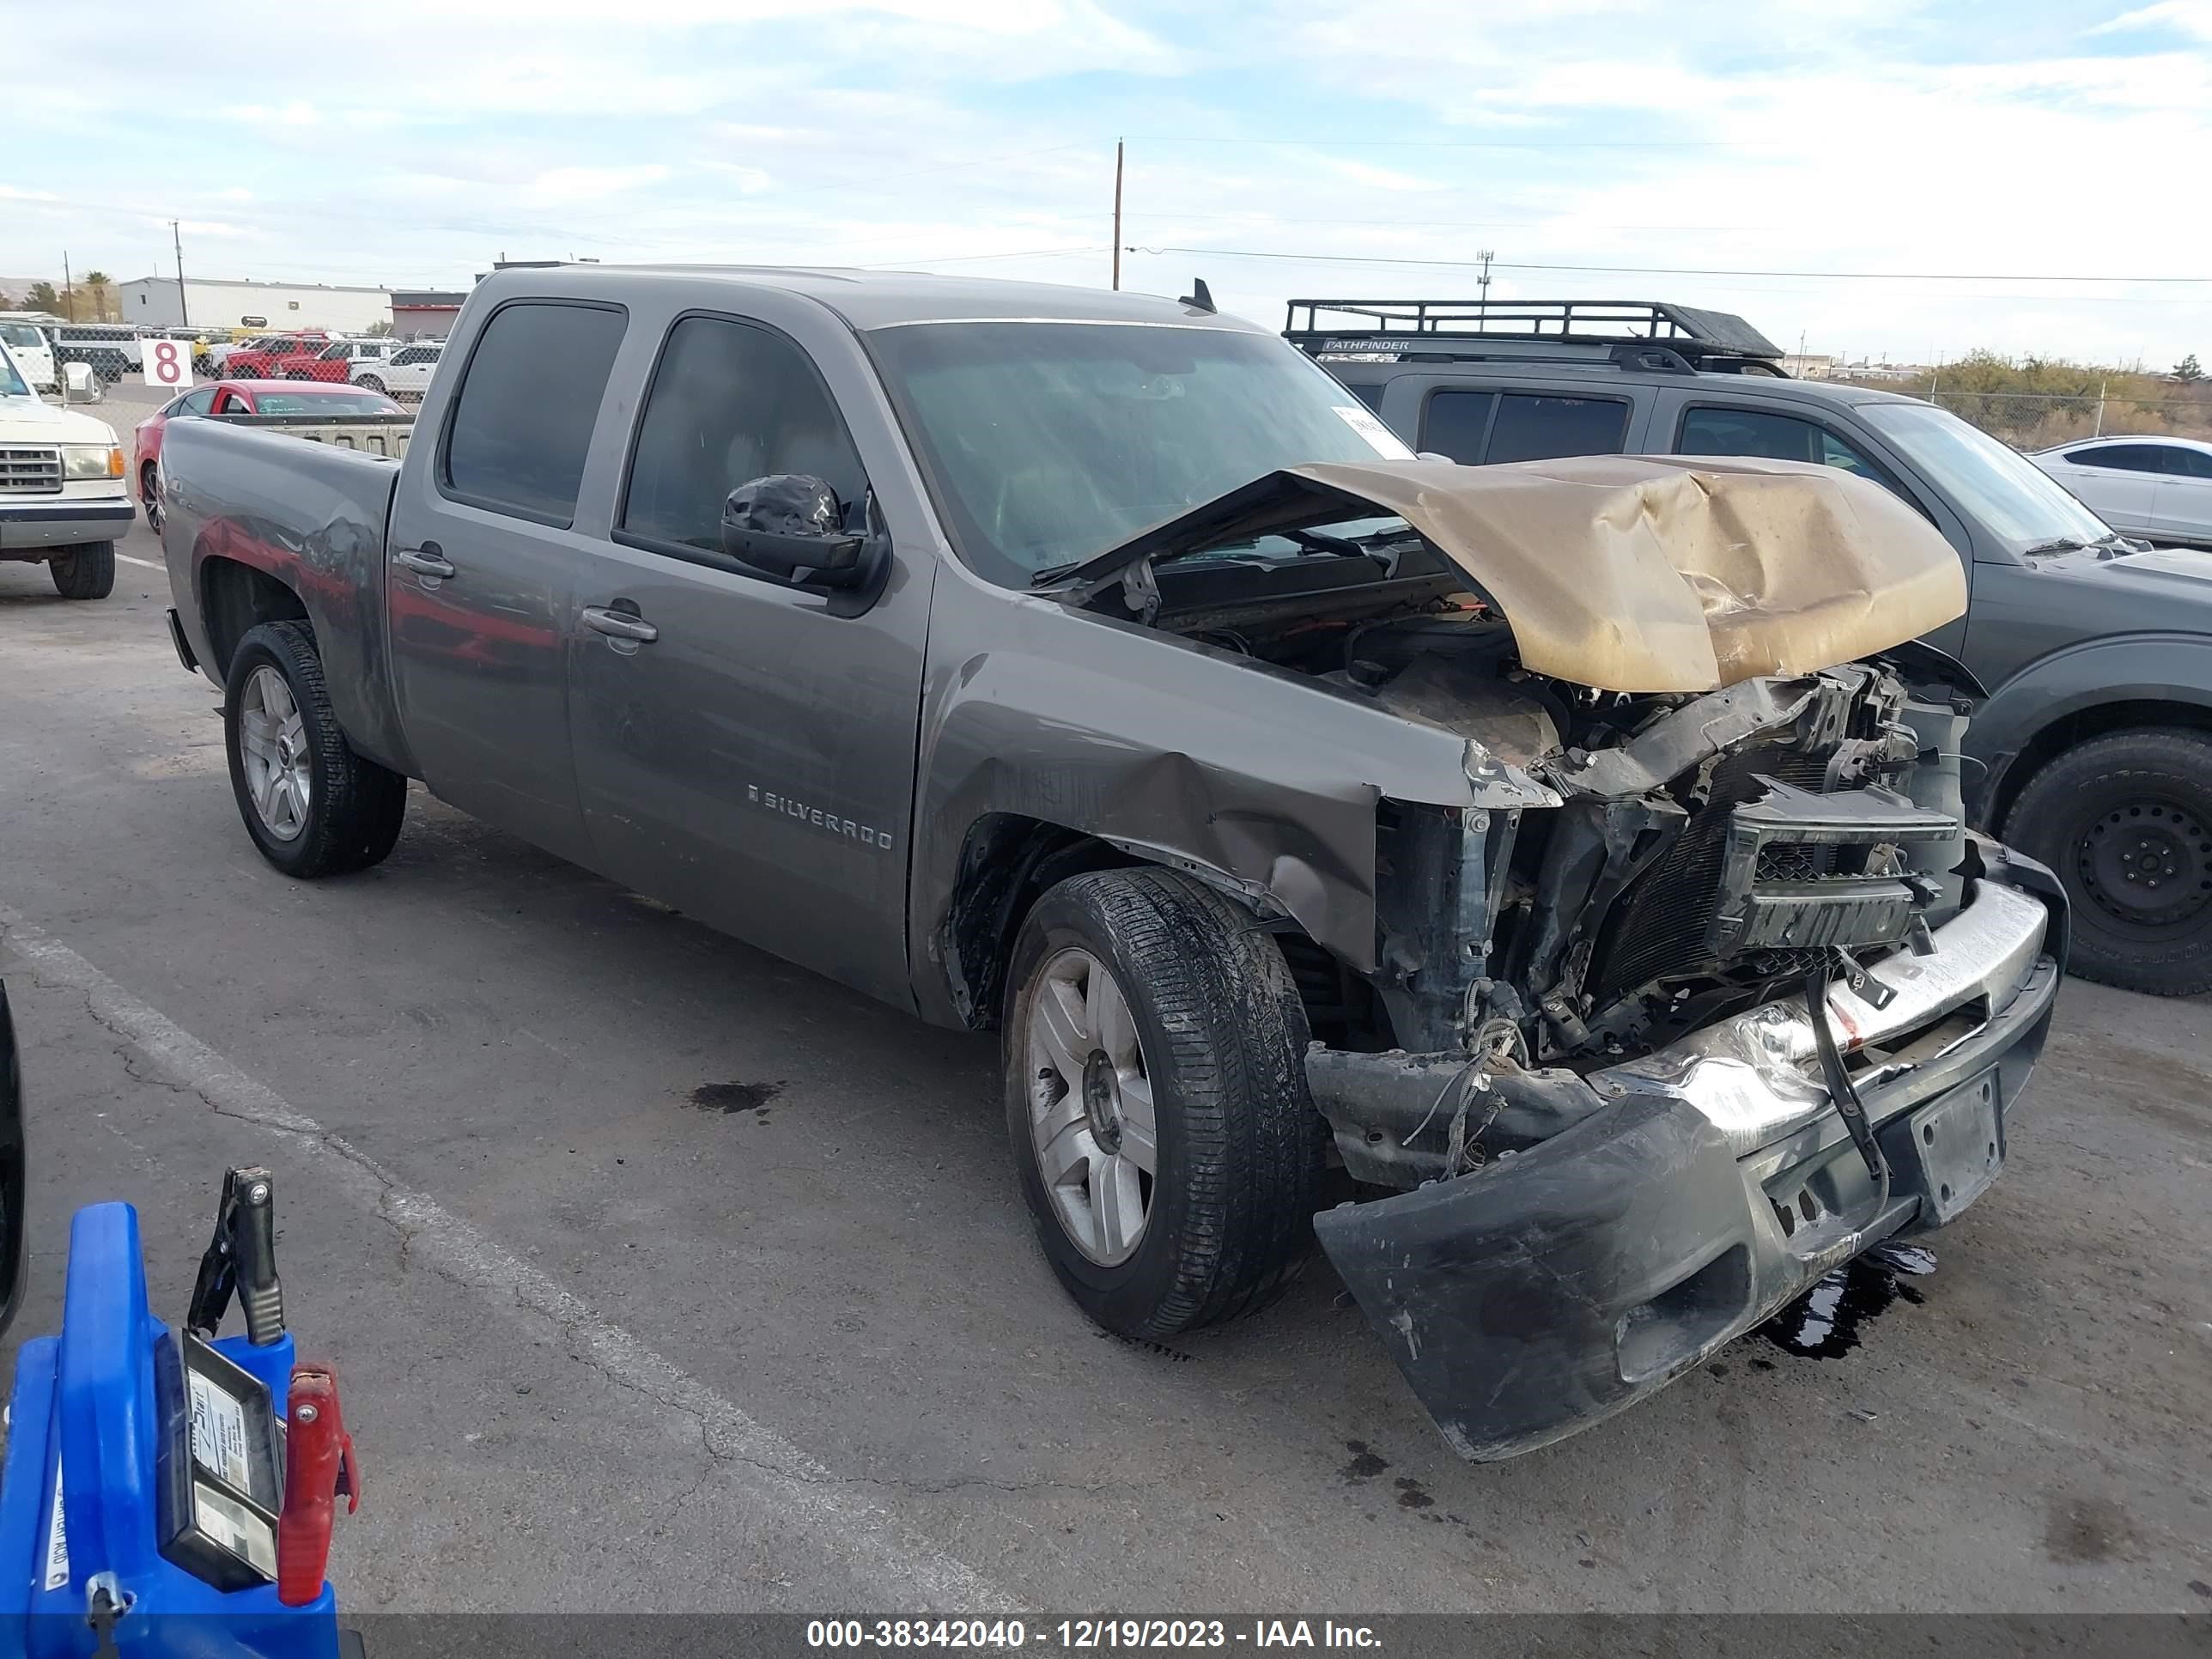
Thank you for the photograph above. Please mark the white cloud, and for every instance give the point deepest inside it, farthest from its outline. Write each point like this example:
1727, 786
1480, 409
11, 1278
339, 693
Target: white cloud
2191, 18
563, 185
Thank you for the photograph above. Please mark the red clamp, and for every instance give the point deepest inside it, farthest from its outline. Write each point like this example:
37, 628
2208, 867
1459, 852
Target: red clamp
319, 1467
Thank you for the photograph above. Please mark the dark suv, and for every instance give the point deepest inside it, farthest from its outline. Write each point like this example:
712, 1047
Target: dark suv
2093, 749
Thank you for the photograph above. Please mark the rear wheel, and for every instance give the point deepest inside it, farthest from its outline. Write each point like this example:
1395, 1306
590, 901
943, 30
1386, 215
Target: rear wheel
2125, 820
149, 495
312, 805
1157, 1100
372, 383
85, 571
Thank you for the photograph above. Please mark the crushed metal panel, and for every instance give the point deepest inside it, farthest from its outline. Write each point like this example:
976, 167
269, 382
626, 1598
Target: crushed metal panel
1647, 573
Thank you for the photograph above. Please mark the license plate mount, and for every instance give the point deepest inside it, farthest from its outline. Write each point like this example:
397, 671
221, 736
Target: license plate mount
1958, 1142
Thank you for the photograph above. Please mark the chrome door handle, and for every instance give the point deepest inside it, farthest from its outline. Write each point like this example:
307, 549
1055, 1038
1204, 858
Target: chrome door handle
620, 624
427, 560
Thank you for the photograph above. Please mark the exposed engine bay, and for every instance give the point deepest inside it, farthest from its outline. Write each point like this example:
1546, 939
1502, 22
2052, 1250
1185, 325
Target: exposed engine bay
1655, 862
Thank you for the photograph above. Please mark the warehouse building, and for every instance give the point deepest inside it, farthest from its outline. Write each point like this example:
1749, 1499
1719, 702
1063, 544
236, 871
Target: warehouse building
424, 313
213, 302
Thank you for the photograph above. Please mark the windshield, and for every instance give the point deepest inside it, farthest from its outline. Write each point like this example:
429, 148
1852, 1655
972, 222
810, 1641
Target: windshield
1047, 443
11, 383
22, 336
2020, 504
328, 403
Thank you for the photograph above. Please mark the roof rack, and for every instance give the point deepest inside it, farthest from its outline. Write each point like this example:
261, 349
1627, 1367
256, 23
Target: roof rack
1649, 334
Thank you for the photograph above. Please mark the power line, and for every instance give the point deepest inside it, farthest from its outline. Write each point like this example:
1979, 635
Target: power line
1459, 143
1669, 271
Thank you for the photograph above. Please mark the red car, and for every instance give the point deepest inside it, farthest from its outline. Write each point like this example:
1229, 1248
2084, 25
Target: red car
227, 397
273, 358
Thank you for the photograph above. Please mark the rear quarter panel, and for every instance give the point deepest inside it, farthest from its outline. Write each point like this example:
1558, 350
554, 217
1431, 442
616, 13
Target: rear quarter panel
311, 515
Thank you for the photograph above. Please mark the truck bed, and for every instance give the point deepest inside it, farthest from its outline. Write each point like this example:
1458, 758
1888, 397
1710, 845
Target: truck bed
382, 435
313, 516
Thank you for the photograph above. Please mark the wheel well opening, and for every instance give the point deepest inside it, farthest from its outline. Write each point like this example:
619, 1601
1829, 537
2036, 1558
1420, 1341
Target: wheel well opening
1008, 862
236, 598
2063, 734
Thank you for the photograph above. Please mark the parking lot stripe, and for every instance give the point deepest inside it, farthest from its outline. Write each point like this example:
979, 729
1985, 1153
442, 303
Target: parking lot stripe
798, 1493
143, 564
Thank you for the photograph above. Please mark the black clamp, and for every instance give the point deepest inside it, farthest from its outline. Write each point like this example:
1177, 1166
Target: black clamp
241, 1257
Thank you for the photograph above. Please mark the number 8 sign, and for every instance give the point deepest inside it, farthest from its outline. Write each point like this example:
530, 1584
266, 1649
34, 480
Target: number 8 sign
168, 362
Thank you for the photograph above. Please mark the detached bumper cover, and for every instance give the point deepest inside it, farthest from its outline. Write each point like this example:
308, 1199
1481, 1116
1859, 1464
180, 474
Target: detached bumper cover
1712, 1183
63, 523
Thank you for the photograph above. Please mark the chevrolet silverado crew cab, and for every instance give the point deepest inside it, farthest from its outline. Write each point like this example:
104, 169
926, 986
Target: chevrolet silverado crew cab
63, 499
1563, 865
2092, 748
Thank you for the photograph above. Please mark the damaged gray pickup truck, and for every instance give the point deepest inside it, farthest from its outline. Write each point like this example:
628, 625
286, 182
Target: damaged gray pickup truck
1562, 863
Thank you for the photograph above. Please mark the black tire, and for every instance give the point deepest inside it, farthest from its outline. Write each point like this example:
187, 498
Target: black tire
86, 571
2125, 820
354, 806
1240, 1144
149, 495
371, 383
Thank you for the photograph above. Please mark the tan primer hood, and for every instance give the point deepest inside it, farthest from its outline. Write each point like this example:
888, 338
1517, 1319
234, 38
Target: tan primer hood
1641, 573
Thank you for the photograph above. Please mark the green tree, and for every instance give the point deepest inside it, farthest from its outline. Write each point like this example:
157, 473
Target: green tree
377, 330
97, 282
2187, 372
42, 297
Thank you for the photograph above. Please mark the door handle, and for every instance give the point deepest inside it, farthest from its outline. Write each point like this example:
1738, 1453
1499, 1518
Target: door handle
620, 624
427, 560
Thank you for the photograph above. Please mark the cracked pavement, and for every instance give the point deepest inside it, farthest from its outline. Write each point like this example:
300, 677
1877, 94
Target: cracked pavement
604, 1348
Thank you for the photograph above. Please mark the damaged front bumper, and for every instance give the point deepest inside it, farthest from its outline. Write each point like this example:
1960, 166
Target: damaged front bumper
1697, 1189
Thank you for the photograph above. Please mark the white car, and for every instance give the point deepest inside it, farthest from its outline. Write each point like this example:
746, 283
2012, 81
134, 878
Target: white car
62, 498
405, 375
2159, 489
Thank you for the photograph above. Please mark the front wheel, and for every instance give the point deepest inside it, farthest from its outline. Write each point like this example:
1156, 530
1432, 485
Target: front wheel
85, 571
2125, 820
312, 805
1157, 1100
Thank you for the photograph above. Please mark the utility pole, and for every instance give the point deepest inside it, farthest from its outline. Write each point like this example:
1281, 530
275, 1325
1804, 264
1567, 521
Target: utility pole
184, 311
1483, 280
1117, 216
69, 291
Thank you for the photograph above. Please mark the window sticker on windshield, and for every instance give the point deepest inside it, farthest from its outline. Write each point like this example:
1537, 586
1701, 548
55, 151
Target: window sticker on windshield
1380, 438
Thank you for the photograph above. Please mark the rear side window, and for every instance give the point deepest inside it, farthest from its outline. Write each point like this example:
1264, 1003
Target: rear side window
2188, 463
1369, 395
1533, 427
2121, 457
516, 438
730, 403
1455, 424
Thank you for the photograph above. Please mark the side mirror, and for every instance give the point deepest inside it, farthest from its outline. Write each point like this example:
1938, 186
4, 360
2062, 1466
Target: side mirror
82, 382
788, 527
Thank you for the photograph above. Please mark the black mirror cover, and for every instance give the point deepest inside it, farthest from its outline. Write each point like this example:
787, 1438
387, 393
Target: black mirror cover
790, 525
12, 1172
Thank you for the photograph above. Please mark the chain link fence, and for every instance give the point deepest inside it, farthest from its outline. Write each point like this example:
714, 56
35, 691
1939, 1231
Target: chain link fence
2037, 420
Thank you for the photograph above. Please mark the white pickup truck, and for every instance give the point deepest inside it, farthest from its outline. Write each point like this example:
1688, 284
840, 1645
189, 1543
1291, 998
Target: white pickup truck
62, 499
405, 375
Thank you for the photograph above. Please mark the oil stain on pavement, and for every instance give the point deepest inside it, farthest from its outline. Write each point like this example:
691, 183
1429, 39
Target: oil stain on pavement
732, 1097
1826, 1322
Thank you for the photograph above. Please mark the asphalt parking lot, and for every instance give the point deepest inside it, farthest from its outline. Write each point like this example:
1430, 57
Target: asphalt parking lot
606, 1347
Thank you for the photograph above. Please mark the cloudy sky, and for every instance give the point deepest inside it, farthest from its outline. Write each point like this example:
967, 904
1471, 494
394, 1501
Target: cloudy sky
1760, 159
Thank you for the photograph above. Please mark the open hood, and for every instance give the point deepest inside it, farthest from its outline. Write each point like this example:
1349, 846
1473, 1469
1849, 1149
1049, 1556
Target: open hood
1632, 573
